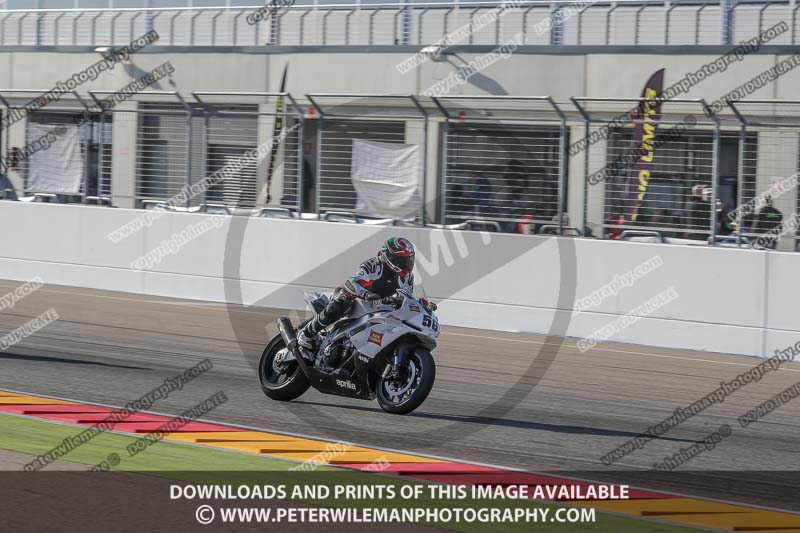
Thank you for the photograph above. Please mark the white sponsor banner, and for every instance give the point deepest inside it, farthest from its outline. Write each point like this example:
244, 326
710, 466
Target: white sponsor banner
59, 168
386, 177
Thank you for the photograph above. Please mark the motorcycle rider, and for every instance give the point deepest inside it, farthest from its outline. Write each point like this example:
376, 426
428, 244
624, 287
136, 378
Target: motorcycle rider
377, 278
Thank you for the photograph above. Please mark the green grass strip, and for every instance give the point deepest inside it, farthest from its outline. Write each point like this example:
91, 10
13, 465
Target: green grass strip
201, 465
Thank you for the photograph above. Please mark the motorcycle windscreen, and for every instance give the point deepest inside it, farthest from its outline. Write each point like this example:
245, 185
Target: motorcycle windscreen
315, 301
419, 288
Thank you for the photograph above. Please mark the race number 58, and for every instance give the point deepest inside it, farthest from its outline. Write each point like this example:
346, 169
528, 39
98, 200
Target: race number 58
429, 322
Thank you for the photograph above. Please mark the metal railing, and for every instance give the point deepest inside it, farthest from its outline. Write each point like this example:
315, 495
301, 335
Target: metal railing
727, 178
489, 163
82, 154
173, 142
344, 120
507, 168
767, 172
676, 193
601, 23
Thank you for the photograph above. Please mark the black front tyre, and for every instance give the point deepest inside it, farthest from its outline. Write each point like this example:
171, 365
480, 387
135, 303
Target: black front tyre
402, 394
283, 382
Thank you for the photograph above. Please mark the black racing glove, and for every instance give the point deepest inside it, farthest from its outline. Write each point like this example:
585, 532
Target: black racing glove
394, 300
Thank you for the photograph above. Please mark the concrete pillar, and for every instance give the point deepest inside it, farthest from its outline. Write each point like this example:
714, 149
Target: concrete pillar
433, 184
124, 131
17, 138
575, 181
596, 194
415, 134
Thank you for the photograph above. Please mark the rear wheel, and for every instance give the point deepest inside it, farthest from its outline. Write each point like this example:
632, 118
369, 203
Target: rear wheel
400, 394
280, 381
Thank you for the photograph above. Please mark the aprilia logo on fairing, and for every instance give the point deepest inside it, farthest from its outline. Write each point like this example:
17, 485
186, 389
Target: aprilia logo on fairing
346, 384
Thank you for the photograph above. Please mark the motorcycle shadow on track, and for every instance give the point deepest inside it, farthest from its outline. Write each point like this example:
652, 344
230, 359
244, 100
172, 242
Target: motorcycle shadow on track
62, 360
506, 422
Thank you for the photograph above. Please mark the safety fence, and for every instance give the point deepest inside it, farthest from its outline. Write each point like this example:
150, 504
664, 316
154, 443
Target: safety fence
727, 177
170, 142
768, 171
683, 156
352, 158
597, 23
507, 168
724, 177
59, 141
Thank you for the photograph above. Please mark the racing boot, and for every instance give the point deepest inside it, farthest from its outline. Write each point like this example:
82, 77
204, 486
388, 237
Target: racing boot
307, 337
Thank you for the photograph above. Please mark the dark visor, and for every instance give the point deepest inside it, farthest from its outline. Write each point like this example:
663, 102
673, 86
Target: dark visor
405, 263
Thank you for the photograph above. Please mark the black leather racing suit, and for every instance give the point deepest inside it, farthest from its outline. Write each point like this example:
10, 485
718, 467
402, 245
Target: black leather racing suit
373, 279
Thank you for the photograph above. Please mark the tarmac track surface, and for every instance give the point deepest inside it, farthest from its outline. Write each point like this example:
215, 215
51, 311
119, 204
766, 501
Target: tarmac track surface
112, 348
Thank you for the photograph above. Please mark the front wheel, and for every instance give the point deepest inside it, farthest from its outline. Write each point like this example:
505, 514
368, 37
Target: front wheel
400, 394
280, 381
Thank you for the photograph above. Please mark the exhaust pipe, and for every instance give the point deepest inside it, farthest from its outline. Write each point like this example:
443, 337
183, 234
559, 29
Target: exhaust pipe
289, 336
287, 331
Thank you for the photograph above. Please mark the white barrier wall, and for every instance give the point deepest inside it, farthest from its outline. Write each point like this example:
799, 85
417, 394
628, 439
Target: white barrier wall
729, 301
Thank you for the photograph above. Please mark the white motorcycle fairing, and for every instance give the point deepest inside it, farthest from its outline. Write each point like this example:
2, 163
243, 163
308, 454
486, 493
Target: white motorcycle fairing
367, 331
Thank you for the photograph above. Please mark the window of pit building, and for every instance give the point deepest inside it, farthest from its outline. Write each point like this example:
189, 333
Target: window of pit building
502, 173
336, 191
177, 147
677, 199
78, 165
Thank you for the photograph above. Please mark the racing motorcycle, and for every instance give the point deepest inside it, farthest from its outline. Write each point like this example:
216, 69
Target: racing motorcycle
380, 351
